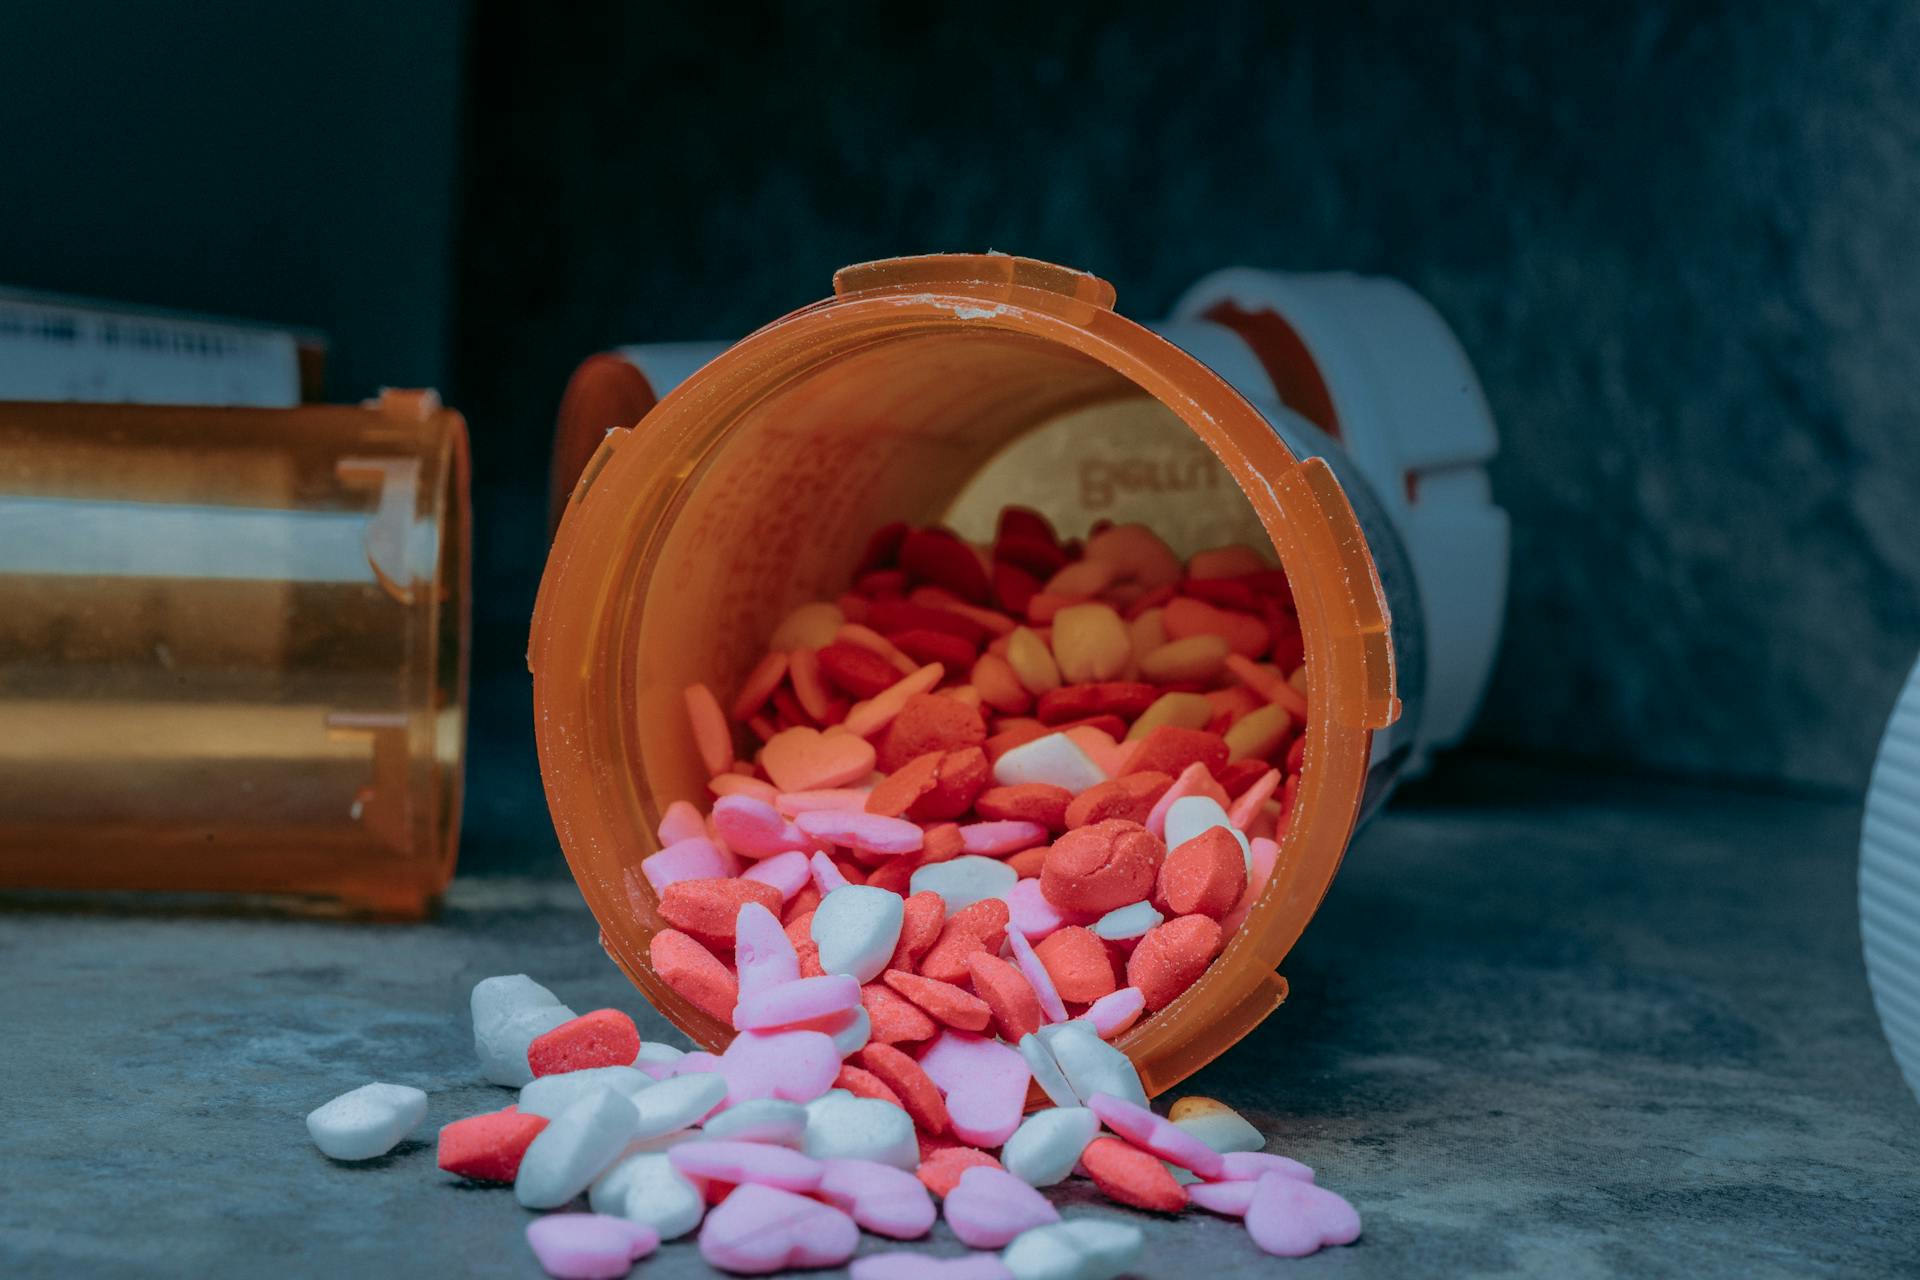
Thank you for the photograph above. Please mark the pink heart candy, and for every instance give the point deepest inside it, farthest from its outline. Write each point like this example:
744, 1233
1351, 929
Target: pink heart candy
754, 829
804, 759
680, 821
901, 1265
760, 1230
869, 832
802, 1000
684, 1065
739, 784
1028, 962
1030, 912
1115, 1012
985, 1083
788, 872
796, 1065
882, 1199
1229, 1198
756, 1163
999, 839
989, 1207
826, 876
694, 858
1291, 1219
795, 803
1250, 1166
762, 951
589, 1246
1157, 1136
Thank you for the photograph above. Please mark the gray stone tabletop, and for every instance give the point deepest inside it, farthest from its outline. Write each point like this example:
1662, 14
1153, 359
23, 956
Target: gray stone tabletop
1544, 1025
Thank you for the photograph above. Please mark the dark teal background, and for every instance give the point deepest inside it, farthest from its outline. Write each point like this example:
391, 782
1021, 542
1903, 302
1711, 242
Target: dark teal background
289, 163
1678, 241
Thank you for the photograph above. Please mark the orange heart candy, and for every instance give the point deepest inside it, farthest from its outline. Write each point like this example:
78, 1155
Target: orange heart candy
804, 759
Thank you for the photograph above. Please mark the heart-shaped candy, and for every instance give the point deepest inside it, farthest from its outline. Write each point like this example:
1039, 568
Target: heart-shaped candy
754, 829
759, 1230
1161, 1137
990, 1207
760, 1164
985, 1083
589, 1246
1291, 1219
902, 1265
885, 1200
804, 759
798, 1066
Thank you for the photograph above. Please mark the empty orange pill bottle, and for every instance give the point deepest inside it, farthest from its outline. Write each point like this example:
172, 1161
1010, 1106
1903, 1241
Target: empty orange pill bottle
233, 650
707, 491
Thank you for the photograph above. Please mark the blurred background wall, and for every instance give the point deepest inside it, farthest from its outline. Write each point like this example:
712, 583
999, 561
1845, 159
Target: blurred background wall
295, 164
1678, 241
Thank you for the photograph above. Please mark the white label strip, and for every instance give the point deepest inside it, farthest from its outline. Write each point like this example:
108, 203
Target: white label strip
156, 540
58, 351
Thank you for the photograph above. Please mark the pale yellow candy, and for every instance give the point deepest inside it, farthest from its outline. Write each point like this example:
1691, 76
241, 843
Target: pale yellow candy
1299, 678
1032, 662
998, 686
811, 626
1194, 1105
1181, 710
1138, 553
1082, 580
1090, 643
1149, 632
1226, 562
1257, 734
1194, 658
1216, 1124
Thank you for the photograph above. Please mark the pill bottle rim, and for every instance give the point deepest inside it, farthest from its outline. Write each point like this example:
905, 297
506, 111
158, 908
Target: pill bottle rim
632, 484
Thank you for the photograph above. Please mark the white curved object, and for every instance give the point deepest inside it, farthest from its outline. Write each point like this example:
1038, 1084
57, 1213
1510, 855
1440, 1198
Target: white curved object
1890, 881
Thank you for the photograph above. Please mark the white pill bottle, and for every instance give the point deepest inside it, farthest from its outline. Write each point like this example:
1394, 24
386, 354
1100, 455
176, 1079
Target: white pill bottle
703, 490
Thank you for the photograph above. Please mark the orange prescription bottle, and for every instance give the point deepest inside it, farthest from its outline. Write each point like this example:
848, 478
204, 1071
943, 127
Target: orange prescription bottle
938, 389
233, 650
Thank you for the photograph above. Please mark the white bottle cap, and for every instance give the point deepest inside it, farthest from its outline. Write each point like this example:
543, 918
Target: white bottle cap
1407, 408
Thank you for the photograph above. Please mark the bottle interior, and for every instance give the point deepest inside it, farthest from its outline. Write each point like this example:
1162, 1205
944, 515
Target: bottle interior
940, 429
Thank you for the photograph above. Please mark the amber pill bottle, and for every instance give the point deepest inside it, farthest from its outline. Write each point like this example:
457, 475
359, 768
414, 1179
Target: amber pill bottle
935, 390
233, 652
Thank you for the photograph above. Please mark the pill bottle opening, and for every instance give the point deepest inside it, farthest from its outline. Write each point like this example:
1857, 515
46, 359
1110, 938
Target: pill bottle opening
753, 488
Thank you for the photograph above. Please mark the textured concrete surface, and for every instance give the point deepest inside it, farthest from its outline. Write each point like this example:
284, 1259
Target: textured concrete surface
1543, 1026
1675, 239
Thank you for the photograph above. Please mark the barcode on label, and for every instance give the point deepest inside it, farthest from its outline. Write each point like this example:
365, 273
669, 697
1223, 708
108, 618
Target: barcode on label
52, 350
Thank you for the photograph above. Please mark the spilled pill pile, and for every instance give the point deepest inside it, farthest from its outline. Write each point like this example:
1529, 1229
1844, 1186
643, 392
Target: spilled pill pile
786, 1147
969, 822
